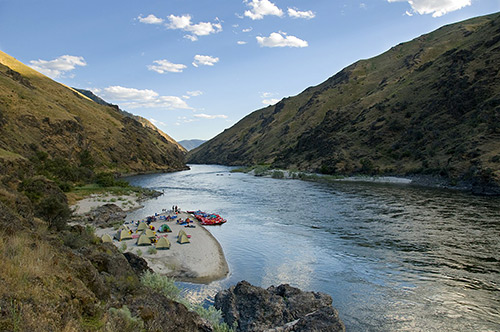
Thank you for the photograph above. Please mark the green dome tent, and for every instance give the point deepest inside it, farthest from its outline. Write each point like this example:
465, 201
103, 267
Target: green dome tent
163, 243
143, 240
164, 229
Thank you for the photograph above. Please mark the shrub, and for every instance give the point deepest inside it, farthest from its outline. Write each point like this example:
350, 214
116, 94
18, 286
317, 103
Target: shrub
161, 284
152, 250
123, 247
139, 252
277, 175
122, 320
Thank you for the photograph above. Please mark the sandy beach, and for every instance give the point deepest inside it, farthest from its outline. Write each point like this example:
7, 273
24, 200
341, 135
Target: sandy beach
201, 260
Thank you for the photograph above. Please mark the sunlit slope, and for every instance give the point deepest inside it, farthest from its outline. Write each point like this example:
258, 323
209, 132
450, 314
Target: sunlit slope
39, 114
431, 105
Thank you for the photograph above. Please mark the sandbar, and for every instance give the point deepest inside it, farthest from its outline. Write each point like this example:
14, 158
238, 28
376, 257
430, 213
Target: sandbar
201, 260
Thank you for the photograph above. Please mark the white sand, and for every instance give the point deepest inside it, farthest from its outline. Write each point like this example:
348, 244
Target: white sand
202, 260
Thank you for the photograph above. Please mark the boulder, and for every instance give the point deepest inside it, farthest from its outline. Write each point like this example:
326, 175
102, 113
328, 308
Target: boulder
282, 308
106, 215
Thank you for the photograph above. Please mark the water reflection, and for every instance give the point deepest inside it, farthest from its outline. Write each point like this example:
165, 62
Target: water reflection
393, 257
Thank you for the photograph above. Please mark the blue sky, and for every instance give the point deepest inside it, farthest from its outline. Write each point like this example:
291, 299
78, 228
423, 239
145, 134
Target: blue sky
195, 68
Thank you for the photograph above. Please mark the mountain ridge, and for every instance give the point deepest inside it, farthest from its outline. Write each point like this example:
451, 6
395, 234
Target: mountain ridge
38, 114
427, 106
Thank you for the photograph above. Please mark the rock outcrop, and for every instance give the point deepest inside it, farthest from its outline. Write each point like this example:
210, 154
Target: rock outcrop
282, 308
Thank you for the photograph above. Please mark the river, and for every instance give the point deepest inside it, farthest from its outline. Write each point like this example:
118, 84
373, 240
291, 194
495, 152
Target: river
393, 257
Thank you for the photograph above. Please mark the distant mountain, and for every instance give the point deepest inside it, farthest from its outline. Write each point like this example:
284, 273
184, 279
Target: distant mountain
39, 115
428, 106
190, 144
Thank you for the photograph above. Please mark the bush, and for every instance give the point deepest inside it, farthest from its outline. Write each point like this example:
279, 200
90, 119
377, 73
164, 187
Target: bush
123, 247
122, 320
277, 175
161, 284
152, 250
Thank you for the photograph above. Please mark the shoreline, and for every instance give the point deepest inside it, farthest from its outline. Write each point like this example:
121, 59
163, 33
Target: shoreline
200, 261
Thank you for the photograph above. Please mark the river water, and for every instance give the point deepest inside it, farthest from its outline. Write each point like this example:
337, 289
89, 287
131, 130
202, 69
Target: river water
393, 257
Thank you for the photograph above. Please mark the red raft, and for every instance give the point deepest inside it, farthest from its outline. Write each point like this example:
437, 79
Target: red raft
209, 218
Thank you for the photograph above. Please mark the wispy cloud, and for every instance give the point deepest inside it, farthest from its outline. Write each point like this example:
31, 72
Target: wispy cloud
204, 60
164, 65
261, 8
267, 98
240, 42
137, 98
210, 117
150, 19
59, 66
280, 39
295, 13
435, 7
199, 29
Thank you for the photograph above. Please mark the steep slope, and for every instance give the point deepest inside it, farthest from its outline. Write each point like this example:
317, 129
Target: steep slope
430, 105
145, 122
38, 114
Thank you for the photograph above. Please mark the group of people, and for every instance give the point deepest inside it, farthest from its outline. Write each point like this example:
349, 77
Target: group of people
176, 209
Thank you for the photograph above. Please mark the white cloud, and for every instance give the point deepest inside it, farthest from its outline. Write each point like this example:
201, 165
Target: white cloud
59, 66
194, 93
211, 117
164, 65
271, 101
204, 60
150, 19
261, 8
157, 123
240, 42
407, 13
136, 98
363, 5
280, 39
199, 29
117, 92
435, 7
293, 12
247, 30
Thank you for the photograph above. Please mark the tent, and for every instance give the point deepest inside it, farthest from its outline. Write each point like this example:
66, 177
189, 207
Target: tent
149, 233
180, 233
163, 243
106, 238
142, 226
123, 235
124, 227
164, 229
143, 240
182, 238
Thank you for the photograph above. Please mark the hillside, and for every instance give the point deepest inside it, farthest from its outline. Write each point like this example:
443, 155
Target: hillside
145, 122
190, 144
39, 115
428, 106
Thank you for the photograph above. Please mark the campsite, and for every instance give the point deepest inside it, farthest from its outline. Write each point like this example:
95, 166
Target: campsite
173, 244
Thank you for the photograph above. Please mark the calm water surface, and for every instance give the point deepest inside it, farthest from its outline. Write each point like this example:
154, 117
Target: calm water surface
393, 257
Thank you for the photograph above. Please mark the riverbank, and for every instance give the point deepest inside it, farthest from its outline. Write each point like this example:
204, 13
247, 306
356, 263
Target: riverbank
201, 260
422, 180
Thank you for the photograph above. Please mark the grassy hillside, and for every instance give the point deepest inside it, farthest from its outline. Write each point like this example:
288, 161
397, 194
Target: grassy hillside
428, 106
38, 114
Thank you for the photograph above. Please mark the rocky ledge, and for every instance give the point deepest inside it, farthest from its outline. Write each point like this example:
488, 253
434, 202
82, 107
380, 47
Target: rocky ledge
283, 308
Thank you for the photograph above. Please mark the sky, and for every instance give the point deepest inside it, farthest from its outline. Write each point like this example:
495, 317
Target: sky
197, 67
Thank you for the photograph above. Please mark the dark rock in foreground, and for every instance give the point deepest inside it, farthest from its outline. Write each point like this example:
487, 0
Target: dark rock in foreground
282, 308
